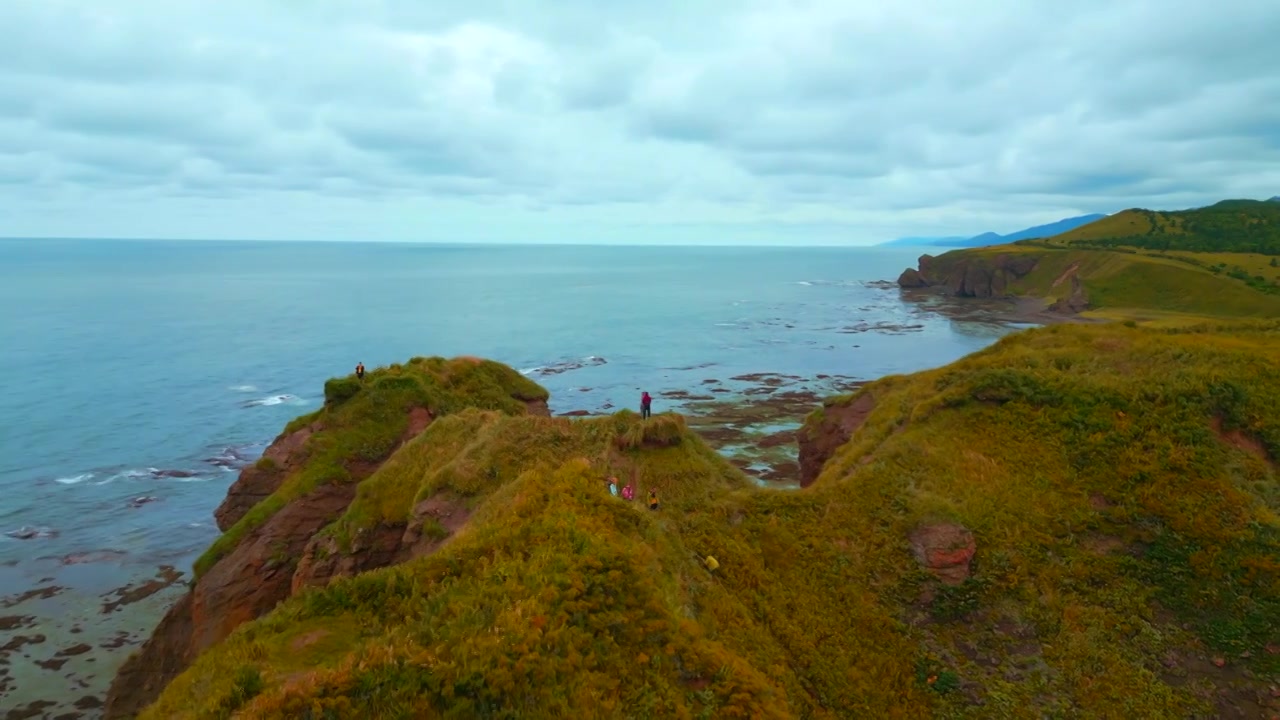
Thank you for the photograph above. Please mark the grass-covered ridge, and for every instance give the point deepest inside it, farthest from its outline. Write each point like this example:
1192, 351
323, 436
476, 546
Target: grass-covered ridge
361, 423
1230, 226
1136, 284
1120, 482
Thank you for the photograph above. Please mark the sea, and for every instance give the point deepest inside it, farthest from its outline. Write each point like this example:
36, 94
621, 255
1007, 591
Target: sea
139, 375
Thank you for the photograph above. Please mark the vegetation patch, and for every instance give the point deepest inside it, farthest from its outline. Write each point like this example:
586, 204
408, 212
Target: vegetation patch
364, 421
1119, 536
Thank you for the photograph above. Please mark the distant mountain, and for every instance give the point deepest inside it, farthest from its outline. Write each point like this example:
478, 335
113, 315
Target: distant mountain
991, 238
1275, 199
917, 241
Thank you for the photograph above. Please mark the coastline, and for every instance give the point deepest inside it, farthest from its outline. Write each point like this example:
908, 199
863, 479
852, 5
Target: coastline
59, 644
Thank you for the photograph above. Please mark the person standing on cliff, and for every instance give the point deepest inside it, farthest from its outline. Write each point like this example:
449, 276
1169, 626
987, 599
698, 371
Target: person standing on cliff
360, 371
645, 402
653, 499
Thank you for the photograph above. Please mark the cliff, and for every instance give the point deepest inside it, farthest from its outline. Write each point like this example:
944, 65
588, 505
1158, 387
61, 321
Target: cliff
977, 275
304, 481
1078, 521
1117, 284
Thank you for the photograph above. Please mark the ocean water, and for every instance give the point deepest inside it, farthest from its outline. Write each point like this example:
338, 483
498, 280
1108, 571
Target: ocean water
125, 358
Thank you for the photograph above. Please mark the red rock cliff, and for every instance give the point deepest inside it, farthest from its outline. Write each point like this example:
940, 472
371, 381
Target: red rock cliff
965, 273
278, 557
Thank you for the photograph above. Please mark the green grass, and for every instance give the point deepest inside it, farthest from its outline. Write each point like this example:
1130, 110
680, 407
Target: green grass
1230, 226
1120, 482
362, 422
1130, 284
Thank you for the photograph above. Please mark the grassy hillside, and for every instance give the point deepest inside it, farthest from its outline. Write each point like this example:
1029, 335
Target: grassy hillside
1134, 284
361, 422
1230, 226
1120, 483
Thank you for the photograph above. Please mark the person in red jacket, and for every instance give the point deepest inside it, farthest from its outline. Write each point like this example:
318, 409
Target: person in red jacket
645, 401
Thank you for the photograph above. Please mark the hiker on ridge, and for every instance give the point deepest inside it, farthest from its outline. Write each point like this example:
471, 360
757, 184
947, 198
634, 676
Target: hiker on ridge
360, 371
653, 499
613, 486
645, 402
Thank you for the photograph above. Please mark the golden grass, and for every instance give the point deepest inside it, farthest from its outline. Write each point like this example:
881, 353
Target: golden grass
1092, 464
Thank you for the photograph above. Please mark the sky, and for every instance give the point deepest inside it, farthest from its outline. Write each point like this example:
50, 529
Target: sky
820, 122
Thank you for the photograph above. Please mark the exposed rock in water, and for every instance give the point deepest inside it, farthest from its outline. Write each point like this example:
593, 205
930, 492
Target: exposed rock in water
911, 278
967, 274
172, 473
825, 432
945, 550
567, 365
26, 532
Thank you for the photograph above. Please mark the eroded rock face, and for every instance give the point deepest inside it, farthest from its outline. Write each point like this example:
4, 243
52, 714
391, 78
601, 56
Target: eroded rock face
433, 523
944, 549
253, 578
257, 482
820, 440
911, 278
968, 274
1075, 302
323, 558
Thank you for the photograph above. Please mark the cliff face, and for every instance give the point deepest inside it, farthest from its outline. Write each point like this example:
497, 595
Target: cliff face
312, 470
969, 274
828, 429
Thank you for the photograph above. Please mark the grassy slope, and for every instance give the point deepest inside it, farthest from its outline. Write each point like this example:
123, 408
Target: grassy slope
1237, 226
364, 421
1133, 284
1108, 514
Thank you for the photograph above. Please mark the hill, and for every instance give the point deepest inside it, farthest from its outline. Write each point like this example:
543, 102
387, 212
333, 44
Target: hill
1100, 283
991, 238
1235, 226
1077, 521
1206, 262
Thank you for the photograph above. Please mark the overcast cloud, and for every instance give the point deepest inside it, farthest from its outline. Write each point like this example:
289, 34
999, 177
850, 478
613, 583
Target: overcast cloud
806, 122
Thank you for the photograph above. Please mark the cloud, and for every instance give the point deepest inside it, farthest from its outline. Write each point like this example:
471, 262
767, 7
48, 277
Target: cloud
788, 121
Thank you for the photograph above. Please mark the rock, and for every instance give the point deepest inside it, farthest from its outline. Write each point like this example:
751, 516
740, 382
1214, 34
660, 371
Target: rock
823, 434
969, 274
77, 649
258, 481
944, 549
434, 521
26, 532
911, 278
276, 559
575, 413
172, 473
322, 559
567, 365
244, 585
1075, 302
142, 500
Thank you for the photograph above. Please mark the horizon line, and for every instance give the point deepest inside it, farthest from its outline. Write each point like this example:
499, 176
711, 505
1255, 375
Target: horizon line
453, 243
